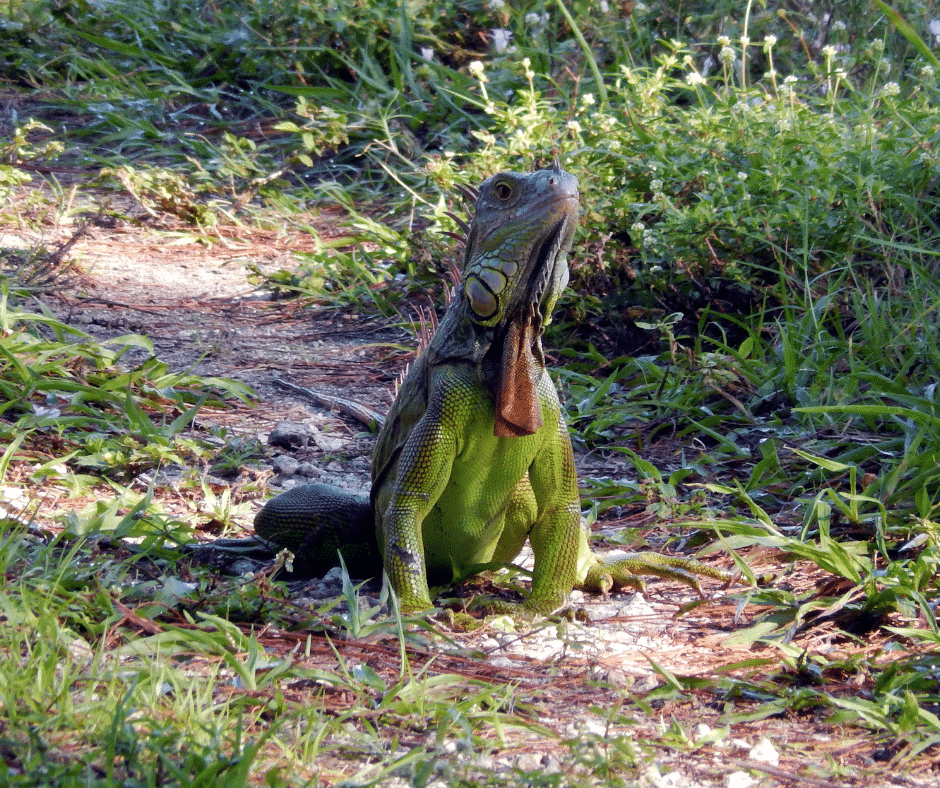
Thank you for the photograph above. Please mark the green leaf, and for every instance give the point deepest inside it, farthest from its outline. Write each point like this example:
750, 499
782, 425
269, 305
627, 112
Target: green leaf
131, 50
909, 33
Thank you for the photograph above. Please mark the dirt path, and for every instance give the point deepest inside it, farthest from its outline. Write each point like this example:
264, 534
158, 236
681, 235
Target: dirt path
194, 302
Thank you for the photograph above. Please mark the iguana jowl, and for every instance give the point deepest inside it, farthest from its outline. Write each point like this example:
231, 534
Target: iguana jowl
474, 456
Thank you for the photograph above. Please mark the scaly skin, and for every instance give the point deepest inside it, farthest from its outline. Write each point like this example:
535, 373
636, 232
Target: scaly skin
474, 457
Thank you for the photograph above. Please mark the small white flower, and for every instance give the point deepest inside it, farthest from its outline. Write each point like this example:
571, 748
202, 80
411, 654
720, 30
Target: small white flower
656, 185
587, 99
724, 41
742, 176
573, 126
726, 56
769, 41
604, 6
829, 52
878, 45
838, 26
693, 78
637, 227
934, 27
927, 73
476, 68
532, 20
790, 80
891, 89
496, 5
501, 39
427, 53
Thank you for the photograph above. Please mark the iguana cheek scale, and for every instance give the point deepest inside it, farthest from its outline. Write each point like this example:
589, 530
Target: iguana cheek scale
474, 457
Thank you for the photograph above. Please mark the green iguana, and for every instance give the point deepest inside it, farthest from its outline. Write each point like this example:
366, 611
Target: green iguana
474, 457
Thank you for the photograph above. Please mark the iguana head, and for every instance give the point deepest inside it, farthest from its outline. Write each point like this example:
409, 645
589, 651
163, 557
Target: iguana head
515, 270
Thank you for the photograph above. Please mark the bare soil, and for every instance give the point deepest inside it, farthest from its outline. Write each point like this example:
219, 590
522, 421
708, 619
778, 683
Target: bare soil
191, 297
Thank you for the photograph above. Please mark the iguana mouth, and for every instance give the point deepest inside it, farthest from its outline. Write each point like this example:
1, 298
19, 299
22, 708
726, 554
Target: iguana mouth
546, 256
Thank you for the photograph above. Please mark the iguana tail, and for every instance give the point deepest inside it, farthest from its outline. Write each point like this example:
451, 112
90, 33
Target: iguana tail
315, 521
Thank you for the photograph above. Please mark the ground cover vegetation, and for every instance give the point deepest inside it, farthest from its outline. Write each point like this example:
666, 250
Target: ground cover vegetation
756, 281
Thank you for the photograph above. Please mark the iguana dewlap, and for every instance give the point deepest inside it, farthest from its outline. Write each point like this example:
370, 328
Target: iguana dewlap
474, 457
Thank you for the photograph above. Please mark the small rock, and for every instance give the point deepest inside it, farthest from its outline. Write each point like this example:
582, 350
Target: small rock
328, 443
81, 652
308, 469
591, 726
617, 677
674, 779
637, 606
285, 465
764, 752
739, 780
646, 683
242, 566
528, 762
288, 435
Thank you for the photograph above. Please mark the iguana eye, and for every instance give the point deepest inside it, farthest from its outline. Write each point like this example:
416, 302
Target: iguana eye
503, 190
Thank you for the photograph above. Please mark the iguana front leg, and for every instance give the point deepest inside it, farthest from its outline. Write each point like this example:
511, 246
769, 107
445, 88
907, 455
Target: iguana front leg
558, 541
421, 471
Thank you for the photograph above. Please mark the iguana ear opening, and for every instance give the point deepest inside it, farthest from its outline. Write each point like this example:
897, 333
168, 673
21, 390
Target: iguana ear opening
518, 410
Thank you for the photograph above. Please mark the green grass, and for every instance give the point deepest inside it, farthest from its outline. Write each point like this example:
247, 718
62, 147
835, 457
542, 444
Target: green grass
754, 285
